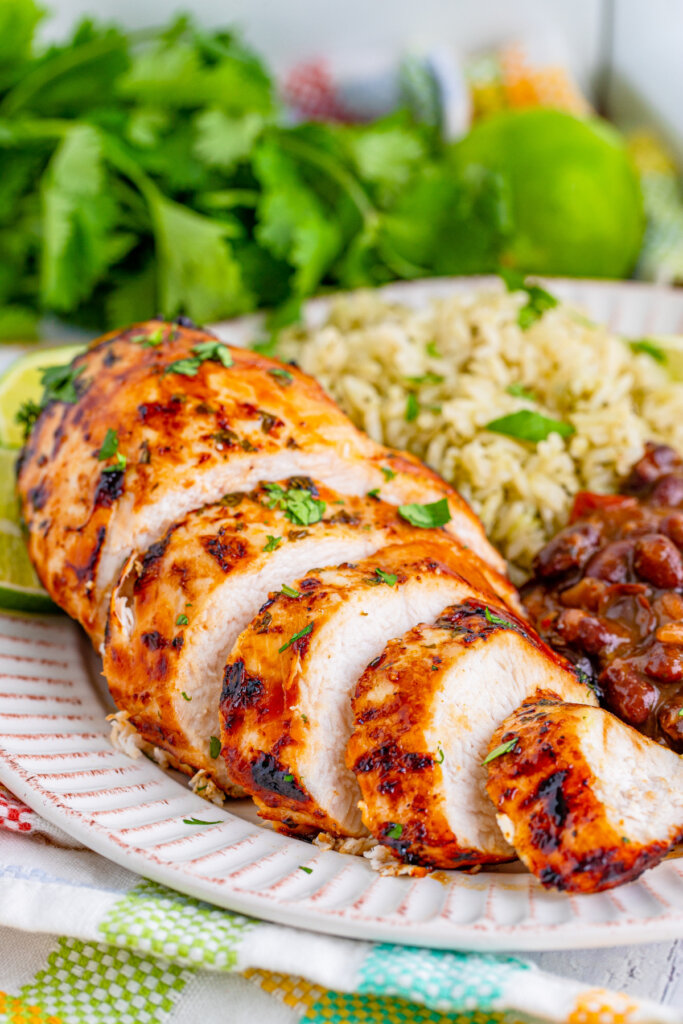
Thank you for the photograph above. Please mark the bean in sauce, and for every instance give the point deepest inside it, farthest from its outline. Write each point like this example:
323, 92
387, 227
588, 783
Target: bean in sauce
608, 593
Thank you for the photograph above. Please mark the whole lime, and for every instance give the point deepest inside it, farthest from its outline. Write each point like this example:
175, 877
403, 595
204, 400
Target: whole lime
576, 202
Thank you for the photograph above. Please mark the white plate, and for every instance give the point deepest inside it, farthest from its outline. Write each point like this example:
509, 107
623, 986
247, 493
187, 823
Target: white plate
55, 755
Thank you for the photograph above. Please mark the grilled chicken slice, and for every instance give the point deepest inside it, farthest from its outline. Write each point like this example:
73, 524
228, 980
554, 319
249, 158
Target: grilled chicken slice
423, 715
193, 420
286, 701
177, 610
586, 801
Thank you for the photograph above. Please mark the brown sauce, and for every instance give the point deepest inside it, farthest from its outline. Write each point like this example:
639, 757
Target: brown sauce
607, 591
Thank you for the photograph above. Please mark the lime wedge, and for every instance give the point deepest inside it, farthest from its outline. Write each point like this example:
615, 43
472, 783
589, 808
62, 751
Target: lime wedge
19, 585
21, 382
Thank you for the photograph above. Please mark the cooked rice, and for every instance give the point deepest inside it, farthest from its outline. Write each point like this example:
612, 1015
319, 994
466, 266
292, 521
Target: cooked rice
616, 400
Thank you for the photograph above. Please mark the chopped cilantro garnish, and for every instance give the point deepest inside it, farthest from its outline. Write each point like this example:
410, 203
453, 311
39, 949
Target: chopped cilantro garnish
432, 350
436, 513
184, 695
504, 748
27, 414
439, 755
496, 619
302, 867
185, 367
284, 376
215, 351
288, 778
198, 821
649, 348
519, 391
272, 543
59, 384
118, 466
290, 591
212, 351
149, 340
182, 620
214, 747
680, 713
526, 425
298, 504
297, 636
412, 408
374, 493
426, 378
389, 474
386, 577
110, 450
394, 831
304, 719
110, 445
539, 300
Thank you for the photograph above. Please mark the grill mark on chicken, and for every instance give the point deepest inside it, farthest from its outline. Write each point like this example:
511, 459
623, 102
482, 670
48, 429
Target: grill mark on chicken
85, 573
39, 495
240, 690
225, 549
109, 488
273, 780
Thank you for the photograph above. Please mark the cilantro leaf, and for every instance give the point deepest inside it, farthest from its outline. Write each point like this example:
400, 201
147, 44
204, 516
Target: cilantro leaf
215, 351
293, 223
386, 577
284, 376
539, 300
504, 748
79, 215
298, 504
393, 831
214, 747
412, 407
436, 513
59, 384
110, 445
198, 272
27, 414
297, 636
519, 391
290, 591
496, 620
649, 348
272, 543
526, 425
199, 821
305, 869
222, 141
182, 620
389, 473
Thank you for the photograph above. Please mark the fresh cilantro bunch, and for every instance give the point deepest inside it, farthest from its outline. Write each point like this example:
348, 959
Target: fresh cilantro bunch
150, 172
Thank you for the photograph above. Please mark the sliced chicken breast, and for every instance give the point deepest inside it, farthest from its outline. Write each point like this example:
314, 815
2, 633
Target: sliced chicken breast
177, 610
286, 701
165, 419
423, 716
586, 801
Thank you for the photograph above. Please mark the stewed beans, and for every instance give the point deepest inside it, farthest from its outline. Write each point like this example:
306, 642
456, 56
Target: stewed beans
608, 592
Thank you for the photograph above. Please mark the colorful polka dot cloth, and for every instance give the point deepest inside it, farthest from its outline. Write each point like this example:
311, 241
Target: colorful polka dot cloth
83, 941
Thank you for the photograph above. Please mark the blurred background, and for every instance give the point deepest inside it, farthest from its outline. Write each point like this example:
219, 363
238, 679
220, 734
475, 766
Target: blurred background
215, 158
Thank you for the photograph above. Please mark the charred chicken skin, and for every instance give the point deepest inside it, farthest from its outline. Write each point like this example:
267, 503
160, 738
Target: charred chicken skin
586, 801
608, 590
423, 716
165, 419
